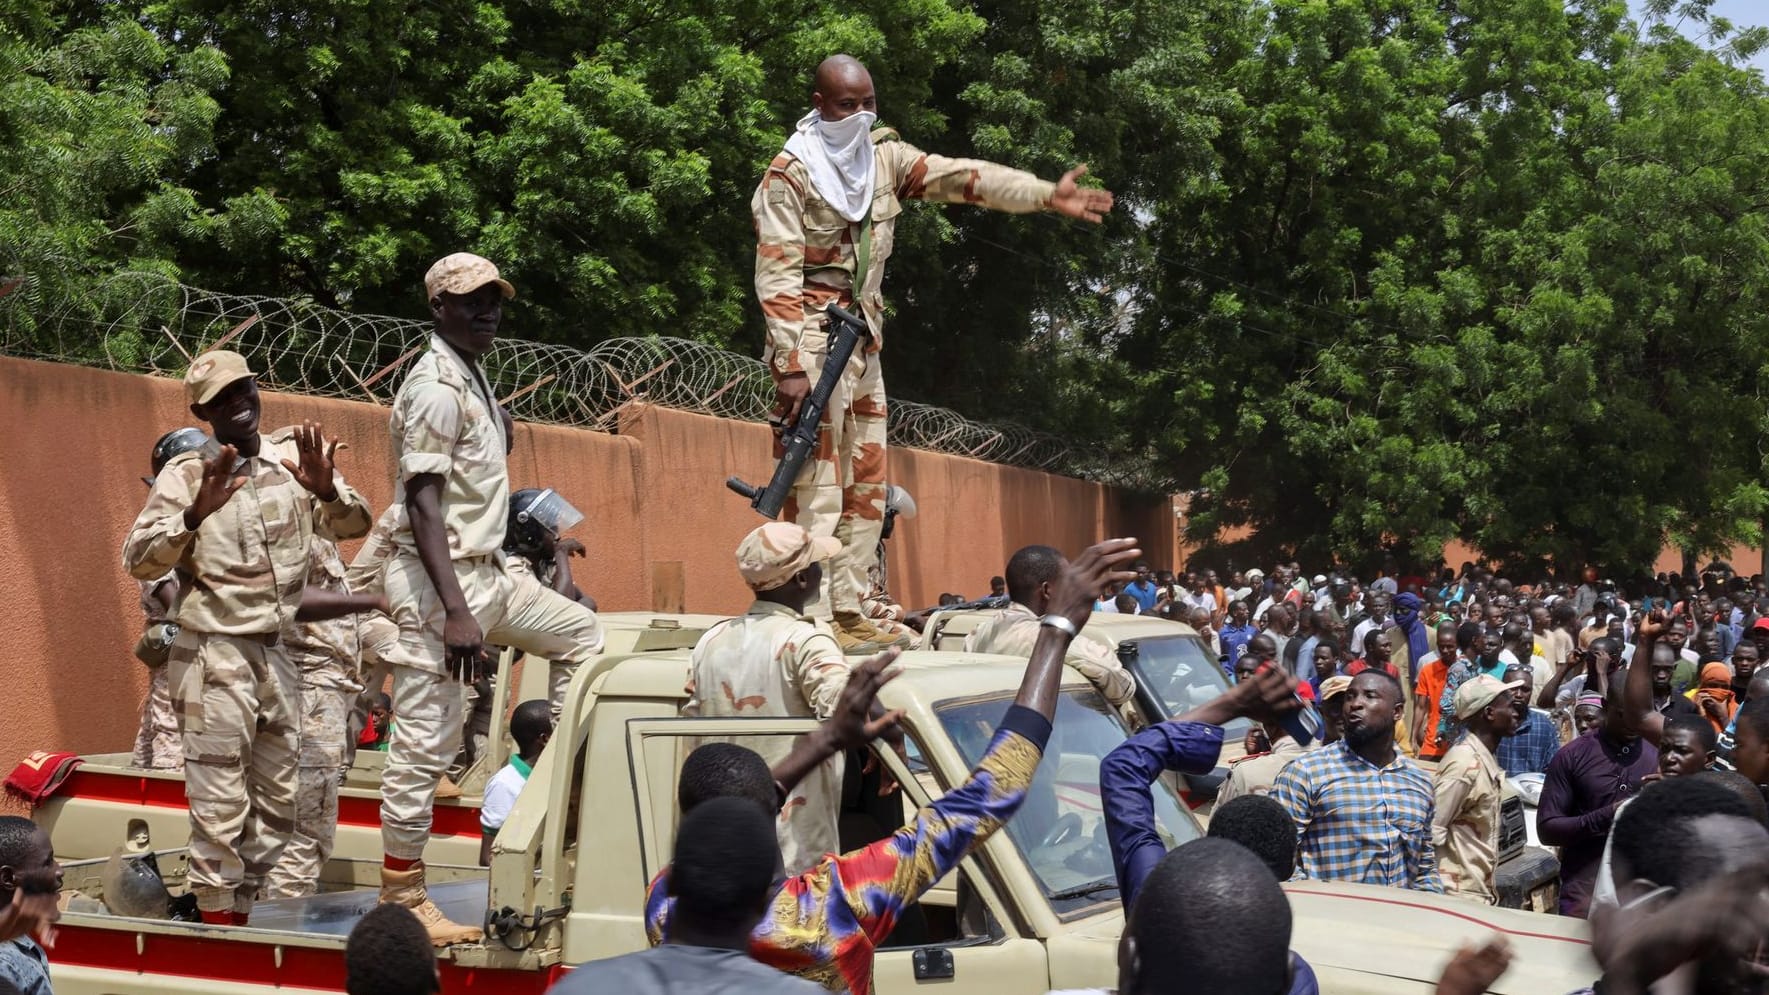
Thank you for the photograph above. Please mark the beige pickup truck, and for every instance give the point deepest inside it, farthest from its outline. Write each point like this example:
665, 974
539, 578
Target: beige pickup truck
107, 801
1035, 908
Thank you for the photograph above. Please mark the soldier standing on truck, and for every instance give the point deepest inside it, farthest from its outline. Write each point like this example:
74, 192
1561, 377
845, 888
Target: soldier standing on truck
772, 661
156, 741
1032, 574
239, 524
446, 580
825, 212
326, 644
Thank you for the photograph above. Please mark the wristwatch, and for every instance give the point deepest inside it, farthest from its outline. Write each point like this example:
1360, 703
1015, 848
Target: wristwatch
1060, 622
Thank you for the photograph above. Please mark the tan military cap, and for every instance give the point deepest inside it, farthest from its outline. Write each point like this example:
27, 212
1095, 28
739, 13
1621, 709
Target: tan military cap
773, 553
463, 273
211, 372
1473, 697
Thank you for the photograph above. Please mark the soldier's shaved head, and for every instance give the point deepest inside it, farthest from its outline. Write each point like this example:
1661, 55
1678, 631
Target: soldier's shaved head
837, 70
842, 87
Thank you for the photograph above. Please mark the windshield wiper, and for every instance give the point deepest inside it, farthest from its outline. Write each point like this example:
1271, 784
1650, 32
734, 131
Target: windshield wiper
1085, 891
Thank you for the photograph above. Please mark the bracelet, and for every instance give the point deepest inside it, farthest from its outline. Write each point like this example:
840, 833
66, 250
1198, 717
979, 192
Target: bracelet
1061, 623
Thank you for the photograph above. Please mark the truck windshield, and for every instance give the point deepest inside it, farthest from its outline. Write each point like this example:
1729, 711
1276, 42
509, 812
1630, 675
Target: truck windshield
1061, 830
1179, 670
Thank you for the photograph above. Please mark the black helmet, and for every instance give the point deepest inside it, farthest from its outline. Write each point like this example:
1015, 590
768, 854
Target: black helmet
537, 516
524, 534
179, 440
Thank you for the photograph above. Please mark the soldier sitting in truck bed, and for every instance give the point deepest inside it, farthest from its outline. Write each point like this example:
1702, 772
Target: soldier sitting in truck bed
1032, 573
826, 923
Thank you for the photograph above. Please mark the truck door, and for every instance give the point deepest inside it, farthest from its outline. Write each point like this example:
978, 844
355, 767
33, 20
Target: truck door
975, 940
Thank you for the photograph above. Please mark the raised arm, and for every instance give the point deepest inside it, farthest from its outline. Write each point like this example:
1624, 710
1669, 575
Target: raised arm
884, 878
339, 512
1550, 694
854, 722
184, 495
1637, 685
1189, 744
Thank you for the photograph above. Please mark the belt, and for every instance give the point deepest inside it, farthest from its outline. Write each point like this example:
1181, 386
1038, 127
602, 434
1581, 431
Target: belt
265, 638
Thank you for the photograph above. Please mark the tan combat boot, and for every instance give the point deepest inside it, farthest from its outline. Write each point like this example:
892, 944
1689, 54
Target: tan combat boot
855, 633
407, 888
447, 788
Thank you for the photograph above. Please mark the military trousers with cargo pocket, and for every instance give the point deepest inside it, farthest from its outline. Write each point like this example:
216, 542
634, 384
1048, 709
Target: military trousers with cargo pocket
325, 721
511, 611
236, 699
841, 492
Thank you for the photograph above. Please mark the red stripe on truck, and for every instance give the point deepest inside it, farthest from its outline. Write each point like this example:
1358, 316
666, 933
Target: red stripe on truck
250, 960
450, 818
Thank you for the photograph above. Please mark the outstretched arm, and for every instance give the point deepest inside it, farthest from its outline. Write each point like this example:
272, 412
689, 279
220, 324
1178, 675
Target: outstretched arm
1002, 188
319, 604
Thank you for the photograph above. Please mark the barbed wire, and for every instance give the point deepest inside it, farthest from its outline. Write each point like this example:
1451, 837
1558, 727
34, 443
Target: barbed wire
146, 323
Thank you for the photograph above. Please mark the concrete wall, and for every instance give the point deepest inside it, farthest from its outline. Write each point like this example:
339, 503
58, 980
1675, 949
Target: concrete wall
659, 525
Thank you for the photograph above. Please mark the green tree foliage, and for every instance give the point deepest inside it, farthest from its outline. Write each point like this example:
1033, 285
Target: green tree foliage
99, 125
1489, 271
1385, 273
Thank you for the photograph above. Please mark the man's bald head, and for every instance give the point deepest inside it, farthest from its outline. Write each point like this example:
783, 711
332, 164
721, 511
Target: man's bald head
842, 87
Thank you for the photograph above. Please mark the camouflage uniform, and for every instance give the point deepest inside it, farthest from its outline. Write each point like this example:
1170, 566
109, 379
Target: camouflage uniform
805, 258
157, 745
326, 654
380, 637
445, 422
771, 662
1015, 631
233, 685
878, 605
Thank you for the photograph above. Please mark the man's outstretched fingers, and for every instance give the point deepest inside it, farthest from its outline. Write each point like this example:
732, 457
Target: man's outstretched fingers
884, 723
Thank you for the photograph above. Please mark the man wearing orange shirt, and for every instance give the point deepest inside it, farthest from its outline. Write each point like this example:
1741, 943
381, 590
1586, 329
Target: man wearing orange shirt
1434, 671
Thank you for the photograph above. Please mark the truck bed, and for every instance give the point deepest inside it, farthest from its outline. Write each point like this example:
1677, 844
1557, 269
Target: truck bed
93, 812
336, 913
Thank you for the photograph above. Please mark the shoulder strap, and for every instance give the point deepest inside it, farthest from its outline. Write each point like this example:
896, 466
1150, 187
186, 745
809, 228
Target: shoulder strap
863, 254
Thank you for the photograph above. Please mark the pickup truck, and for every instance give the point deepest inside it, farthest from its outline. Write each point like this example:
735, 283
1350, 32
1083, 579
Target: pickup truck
1174, 673
1170, 662
1035, 908
107, 801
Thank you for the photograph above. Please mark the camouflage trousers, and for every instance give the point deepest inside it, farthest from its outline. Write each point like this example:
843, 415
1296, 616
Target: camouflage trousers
841, 492
157, 743
427, 701
236, 702
324, 721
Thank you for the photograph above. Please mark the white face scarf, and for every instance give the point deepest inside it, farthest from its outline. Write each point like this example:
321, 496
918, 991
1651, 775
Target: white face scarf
840, 159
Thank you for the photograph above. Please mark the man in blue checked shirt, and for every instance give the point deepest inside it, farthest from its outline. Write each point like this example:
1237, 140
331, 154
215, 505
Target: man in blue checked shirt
1535, 742
1363, 810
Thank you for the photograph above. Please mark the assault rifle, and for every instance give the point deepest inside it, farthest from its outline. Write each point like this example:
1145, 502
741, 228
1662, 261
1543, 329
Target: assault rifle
800, 438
